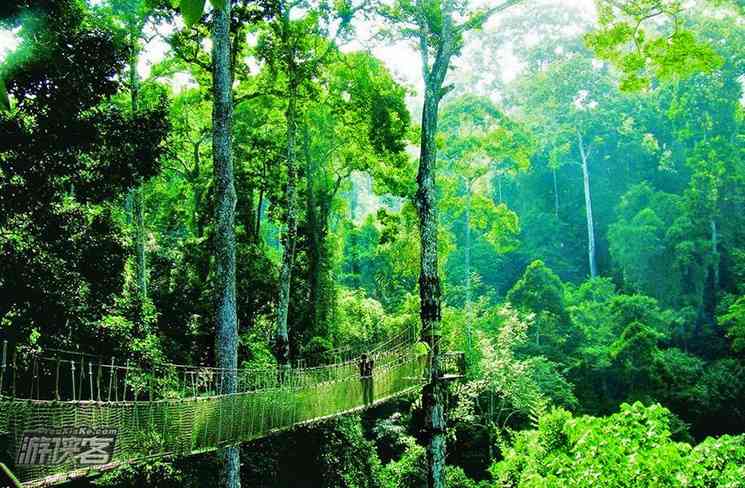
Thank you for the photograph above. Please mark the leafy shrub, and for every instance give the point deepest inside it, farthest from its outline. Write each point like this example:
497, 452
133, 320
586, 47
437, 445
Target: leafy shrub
632, 448
411, 470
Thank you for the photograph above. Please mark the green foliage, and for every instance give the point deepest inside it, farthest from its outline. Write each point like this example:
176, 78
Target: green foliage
734, 322
551, 382
155, 473
4, 100
538, 290
360, 320
347, 458
633, 447
391, 438
628, 309
192, 9
258, 352
410, 471
655, 235
718, 461
664, 322
522, 386
334, 453
628, 38
634, 353
73, 153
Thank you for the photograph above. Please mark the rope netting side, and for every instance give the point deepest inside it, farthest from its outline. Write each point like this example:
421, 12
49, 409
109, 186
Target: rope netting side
195, 424
76, 376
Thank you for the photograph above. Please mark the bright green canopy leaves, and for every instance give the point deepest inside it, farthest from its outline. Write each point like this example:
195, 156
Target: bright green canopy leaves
481, 143
634, 447
629, 38
192, 10
734, 322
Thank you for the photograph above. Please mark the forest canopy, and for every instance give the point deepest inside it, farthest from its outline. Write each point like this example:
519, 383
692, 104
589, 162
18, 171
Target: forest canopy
554, 190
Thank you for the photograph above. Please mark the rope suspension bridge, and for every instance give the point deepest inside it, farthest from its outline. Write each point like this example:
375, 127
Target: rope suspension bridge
170, 410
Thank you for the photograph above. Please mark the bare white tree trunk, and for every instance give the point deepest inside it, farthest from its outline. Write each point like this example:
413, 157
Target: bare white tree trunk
588, 207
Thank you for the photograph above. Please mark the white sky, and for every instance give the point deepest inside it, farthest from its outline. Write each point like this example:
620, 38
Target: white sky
400, 58
8, 42
405, 64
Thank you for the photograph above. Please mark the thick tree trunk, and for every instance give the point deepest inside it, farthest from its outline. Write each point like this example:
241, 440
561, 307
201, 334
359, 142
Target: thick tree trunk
434, 393
224, 239
282, 340
588, 208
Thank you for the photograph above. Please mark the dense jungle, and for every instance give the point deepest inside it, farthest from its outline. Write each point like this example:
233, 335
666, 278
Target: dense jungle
550, 191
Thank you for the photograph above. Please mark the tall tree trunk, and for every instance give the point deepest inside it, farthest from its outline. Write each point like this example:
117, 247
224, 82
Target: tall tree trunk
313, 225
137, 197
588, 208
434, 393
282, 339
224, 239
469, 332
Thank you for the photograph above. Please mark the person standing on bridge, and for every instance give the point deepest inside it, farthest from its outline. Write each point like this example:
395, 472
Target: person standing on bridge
366, 365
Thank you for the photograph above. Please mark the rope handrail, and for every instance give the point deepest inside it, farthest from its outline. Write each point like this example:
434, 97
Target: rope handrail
79, 379
205, 420
406, 332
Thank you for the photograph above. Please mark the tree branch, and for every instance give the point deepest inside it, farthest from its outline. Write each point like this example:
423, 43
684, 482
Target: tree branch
481, 18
